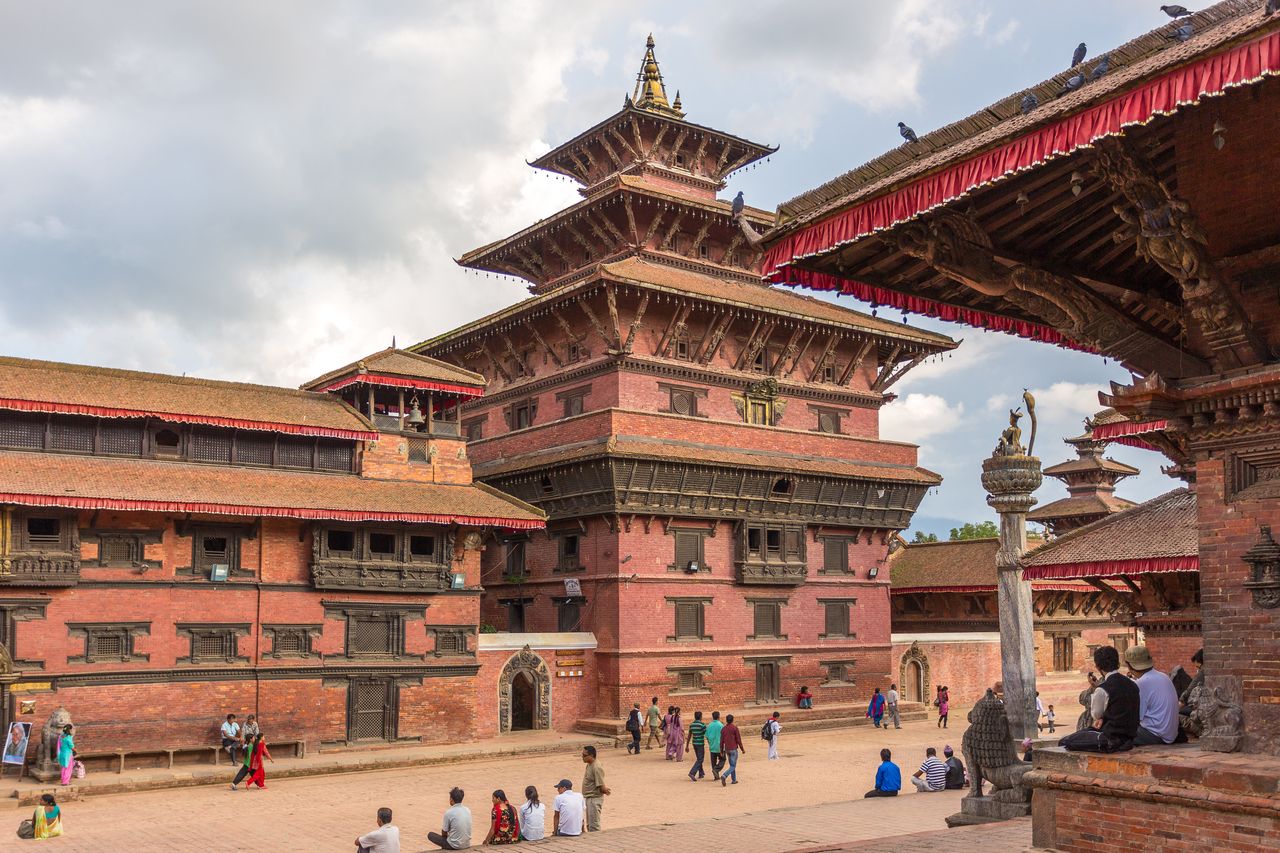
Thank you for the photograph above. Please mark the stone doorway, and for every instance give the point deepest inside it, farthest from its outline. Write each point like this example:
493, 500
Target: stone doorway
524, 693
914, 675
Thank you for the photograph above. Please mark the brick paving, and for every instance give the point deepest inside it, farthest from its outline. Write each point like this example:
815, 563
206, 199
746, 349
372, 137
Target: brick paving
811, 797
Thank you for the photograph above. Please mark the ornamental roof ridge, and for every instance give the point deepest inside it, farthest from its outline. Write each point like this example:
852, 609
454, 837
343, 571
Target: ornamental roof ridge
398, 362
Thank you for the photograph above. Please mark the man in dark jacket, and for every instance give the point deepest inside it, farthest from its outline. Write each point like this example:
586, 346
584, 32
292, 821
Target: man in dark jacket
1114, 706
955, 769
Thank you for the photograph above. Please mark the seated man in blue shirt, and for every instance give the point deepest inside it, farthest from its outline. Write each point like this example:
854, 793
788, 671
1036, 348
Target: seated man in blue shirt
888, 777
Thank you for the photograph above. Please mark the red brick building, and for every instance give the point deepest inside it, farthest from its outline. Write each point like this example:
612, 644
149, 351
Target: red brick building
174, 549
707, 448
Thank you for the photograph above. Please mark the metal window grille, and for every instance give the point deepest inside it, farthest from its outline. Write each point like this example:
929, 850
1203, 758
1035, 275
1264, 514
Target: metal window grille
333, 456
122, 439
210, 446
837, 619
768, 619
688, 620
254, 449
71, 435
294, 452
18, 429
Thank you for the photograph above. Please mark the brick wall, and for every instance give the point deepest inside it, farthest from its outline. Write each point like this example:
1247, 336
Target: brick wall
967, 667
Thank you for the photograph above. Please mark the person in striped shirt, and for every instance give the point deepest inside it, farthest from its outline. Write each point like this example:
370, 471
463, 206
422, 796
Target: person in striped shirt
697, 738
932, 775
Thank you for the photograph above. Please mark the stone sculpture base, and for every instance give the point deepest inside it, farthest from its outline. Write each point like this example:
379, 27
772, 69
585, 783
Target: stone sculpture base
987, 810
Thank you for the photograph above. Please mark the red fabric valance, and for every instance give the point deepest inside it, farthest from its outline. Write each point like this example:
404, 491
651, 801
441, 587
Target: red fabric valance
70, 502
1121, 429
401, 382
177, 417
1113, 568
1161, 95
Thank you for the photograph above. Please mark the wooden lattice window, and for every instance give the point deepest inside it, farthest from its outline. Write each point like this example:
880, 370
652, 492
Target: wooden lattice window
570, 551
690, 679
213, 643
294, 452
829, 422
119, 550
836, 619
295, 642
211, 446
108, 643
451, 641
569, 615
835, 555
120, 438
255, 448
22, 430
684, 402
71, 435
689, 549
839, 671
333, 456
372, 634
690, 619
767, 620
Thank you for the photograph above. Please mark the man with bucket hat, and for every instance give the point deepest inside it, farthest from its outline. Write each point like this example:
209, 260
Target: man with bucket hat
1158, 699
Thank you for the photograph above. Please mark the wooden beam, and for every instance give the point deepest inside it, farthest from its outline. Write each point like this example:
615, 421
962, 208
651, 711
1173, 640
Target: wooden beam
742, 354
887, 367
595, 322
822, 359
902, 371
788, 352
565, 327
611, 302
635, 323
731, 248
635, 152
673, 330
657, 141
804, 350
716, 338
609, 152
515, 356
654, 224
493, 362
699, 239
855, 362
631, 217
542, 342
671, 231
1128, 581
677, 145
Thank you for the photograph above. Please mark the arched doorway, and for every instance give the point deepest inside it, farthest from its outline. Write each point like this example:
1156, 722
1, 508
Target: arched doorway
524, 693
523, 699
914, 674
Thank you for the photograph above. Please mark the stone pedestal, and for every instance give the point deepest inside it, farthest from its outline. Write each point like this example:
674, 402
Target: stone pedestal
1010, 478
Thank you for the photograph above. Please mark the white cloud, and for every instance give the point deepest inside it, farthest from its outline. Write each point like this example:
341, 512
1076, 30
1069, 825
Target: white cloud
1067, 399
917, 417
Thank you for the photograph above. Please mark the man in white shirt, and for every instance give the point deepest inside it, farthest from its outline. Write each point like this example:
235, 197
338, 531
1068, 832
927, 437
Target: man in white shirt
932, 775
231, 736
384, 839
892, 704
1158, 699
455, 833
775, 728
1039, 712
570, 808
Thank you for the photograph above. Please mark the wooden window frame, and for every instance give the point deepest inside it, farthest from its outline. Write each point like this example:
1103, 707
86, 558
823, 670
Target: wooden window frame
691, 393
696, 604
201, 565
126, 633
512, 547
566, 562
777, 604
573, 398
512, 413
397, 615
227, 633
395, 555
842, 542
700, 673
847, 604
306, 636
524, 604
788, 534
560, 603
473, 428
676, 565
845, 667
837, 415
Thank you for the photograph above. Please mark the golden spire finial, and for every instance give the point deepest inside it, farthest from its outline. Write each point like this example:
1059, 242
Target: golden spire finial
650, 93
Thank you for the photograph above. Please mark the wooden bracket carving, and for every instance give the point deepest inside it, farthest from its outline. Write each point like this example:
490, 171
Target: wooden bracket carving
823, 359
595, 322
675, 329
799, 356
716, 337
854, 363
493, 362
635, 323
542, 342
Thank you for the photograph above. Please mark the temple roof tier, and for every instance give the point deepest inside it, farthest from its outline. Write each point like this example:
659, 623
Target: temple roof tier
960, 566
397, 368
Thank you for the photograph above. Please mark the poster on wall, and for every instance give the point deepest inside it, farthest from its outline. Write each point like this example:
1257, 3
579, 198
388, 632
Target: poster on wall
15, 745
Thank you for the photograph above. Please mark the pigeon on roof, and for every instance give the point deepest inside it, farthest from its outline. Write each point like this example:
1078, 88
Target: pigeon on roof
1078, 56
1184, 32
1101, 68
907, 133
1074, 83
1029, 102
738, 204
1176, 11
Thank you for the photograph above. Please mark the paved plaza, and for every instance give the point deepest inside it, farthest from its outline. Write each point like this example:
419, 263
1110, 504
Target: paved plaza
653, 806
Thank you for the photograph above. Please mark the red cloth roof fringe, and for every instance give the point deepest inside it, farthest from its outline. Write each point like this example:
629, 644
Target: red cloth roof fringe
1113, 568
270, 512
1066, 587
213, 420
1163, 95
400, 382
1120, 429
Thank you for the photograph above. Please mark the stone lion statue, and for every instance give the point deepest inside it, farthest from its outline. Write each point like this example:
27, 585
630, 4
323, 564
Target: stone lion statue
989, 752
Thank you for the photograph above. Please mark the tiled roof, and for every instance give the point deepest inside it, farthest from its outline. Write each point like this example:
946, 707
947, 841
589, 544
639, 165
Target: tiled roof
1159, 533
1131, 63
1082, 505
963, 563
87, 482
683, 451
639, 182
402, 363
1099, 464
47, 386
769, 298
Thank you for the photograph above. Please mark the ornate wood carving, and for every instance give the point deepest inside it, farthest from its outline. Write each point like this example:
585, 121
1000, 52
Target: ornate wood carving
699, 239
886, 368
900, 372
799, 356
1167, 233
788, 352
595, 322
822, 360
854, 363
542, 342
611, 303
715, 334
677, 145
569, 333
610, 153
675, 329
698, 154
731, 248
631, 218
635, 134
635, 323
724, 158
657, 141
652, 230
582, 241
493, 362
559, 253
622, 140
525, 664
671, 231
746, 347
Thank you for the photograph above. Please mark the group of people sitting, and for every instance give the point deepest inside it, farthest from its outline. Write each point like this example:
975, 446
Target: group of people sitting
1137, 708
934, 774
249, 739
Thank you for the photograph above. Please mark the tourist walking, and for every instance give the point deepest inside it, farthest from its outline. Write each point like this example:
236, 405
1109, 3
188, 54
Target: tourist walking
504, 824
455, 831
655, 724
533, 816
1039, 712
634, 725
955, 769
944, 707
713, 745
697, 738
1115, 706
67, 753
675, 735
932, 775
888, 778
231, 736
384, 839
732, 745
1050, 717
594, 790
1157, 699
569, 810
891, 706
875, 710
774, 728
46, 820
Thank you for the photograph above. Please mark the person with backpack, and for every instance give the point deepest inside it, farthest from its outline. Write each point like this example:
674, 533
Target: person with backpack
633, 729
772, 728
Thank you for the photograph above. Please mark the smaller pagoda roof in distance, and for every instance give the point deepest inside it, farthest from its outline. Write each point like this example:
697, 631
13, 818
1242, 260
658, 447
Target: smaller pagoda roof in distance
1157, 536
1081, 505
105, 392
397, 368
961, 565
1100, 463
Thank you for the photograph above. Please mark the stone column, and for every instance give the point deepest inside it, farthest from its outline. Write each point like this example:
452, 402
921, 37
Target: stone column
1010, 476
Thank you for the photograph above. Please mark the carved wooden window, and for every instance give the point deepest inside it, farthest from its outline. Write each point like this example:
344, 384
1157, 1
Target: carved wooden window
570, 548
294, 452
838, 671
334, 456
474, 428
340, 542
119, 438
547, 485
829, 421
684, 402
829, 373
210, 643
22, 430
515, 558
220, 548
574, 404
422, 548
167, 443
573, 352
374, 634
44, 533
517, 611
682, 349
108, 642
291, 641
689, 549
382, 545
760, 412
211, 446
690, 618
782, 487
255, 448
689, 679
835, 555
760, 364
836, 619
71, 435
522, 415
569, 614
451, 641
767, 619
731, 259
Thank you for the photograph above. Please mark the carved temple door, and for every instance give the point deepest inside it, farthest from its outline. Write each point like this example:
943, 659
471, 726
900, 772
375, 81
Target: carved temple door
373, 709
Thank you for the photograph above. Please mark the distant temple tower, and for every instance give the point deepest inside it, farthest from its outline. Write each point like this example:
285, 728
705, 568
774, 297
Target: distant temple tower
1091, 483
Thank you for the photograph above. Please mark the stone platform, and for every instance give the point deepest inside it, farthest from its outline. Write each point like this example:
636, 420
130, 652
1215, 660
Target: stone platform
1171, 798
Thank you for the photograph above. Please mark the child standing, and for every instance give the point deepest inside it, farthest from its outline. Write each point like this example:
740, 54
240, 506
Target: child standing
1050, 717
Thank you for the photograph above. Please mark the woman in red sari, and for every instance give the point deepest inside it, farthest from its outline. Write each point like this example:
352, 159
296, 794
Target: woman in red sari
504, 827
257, 770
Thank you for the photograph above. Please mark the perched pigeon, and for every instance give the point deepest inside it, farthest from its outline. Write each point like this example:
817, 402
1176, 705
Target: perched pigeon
907, 133
1101, 68
738, 204
1074, 83
1078, 56
1029, 102
1176, 11
1183, 32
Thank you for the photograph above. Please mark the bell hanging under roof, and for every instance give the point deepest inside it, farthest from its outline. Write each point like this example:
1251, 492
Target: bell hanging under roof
415, 414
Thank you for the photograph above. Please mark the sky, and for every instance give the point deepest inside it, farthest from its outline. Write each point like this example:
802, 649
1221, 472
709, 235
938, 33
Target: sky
263, 191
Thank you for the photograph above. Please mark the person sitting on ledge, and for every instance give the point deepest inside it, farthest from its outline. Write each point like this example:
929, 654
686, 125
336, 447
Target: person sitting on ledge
804, 699
888, 778
1157, 700
932, 775
1114, 706
955, 770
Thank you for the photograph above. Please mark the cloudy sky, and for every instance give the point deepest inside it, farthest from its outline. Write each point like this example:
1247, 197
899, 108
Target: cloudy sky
261, 191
